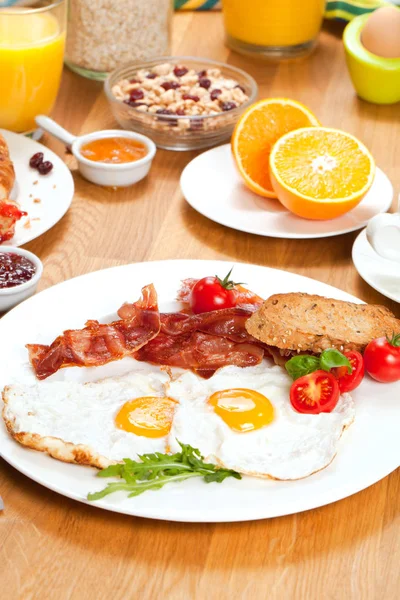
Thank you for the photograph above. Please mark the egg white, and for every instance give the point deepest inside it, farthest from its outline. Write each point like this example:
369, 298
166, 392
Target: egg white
82, 415
293, 446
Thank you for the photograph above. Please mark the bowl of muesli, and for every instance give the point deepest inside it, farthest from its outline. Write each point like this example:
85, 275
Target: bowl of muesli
181, 103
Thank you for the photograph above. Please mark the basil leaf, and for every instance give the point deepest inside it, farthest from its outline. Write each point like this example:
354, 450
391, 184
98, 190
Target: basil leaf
332, 358
302, 365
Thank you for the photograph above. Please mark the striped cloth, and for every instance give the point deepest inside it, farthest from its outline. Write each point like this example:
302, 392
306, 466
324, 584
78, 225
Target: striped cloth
334, 9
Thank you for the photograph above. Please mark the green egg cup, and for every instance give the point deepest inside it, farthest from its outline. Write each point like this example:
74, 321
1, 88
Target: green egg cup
376, 79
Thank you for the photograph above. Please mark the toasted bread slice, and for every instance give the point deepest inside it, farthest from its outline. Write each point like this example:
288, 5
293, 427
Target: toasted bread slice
308, 323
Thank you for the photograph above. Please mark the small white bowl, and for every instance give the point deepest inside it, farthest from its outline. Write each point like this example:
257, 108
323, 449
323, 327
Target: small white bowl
10, 297
101, 173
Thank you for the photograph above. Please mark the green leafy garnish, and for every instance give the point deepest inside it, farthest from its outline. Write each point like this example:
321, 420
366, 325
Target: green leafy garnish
304, 364
332, 358
227, 283
153, 471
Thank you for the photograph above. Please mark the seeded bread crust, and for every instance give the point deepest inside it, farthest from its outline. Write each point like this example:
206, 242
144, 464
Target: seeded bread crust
309, 323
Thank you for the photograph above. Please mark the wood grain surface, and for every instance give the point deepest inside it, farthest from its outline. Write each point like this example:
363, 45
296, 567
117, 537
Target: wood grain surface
54, 548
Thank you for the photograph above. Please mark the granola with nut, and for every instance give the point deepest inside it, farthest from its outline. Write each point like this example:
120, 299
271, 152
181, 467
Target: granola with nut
168, 90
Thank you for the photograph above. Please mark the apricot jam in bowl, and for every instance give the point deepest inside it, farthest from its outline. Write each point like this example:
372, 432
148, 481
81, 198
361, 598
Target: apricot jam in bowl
113, 157
20, 272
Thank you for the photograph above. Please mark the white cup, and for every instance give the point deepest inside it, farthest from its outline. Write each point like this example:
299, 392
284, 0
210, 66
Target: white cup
383, 233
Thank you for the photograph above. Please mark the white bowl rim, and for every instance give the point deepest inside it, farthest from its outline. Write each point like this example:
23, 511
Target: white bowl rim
17, 289
105, 133
174, 59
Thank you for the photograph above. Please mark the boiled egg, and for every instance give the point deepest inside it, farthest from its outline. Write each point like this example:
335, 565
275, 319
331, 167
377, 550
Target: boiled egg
381, 32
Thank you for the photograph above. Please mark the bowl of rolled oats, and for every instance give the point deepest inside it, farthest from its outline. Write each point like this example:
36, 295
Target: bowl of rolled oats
181, 103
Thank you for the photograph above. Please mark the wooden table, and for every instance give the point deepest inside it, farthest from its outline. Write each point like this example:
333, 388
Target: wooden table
54, 548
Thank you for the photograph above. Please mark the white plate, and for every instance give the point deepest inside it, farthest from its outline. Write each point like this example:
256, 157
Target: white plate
55, 190
381, 274
212, 186
368, 451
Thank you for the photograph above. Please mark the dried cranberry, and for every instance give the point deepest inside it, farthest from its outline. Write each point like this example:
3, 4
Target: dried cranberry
164, 111
202, 73
180, 112
190, 97
151, 76
180, 71
36, 160
134, 81
240, 88
170, 85
215, 93
136, 95
45, 167
228, 106
204, 83
196, 124
133, 103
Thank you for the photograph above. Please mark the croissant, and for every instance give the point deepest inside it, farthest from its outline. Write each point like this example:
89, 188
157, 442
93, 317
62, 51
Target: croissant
9, 210
7, 173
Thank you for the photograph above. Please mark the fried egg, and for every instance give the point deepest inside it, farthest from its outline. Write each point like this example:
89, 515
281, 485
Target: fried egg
242, 419
95, 423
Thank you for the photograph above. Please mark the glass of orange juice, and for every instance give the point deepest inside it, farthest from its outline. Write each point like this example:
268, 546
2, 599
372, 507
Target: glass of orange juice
32, 44
273, 28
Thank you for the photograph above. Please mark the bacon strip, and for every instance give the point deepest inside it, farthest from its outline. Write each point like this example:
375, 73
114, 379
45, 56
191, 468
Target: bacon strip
244, 298
227, 323
98, 344
199, 351
203, 342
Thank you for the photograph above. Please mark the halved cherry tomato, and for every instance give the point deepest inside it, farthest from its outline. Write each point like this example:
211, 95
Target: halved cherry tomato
350, 381
315, 393
213, 293
382, 359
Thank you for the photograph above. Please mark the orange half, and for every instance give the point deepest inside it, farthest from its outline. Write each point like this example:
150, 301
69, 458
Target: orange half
320, 173
257, 130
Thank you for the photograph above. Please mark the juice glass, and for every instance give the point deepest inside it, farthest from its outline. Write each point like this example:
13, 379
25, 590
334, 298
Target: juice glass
32, 44
273, 28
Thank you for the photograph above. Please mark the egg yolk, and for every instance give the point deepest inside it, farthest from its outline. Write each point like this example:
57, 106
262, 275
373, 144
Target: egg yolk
242, 410
149, 416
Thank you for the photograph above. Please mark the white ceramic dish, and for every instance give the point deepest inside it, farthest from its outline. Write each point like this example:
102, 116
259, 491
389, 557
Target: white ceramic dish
368, 451
10, 297
100, 173
46, 198
212, 186
380, 273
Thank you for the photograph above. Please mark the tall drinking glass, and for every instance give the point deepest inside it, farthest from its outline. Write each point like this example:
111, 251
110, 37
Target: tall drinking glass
32, 44
273, 28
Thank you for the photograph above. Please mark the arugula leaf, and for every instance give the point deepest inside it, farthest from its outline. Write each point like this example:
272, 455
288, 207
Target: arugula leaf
155, 470
332, 358
300, 365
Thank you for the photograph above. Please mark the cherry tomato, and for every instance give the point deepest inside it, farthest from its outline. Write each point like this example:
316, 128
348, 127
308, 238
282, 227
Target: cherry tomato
213, 293
382, 359
315, 393
350, 381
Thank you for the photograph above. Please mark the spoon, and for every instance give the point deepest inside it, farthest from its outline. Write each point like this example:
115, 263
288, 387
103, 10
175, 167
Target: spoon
103, 173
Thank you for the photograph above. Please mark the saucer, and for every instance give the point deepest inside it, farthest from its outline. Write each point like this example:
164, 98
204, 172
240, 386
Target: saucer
380, 273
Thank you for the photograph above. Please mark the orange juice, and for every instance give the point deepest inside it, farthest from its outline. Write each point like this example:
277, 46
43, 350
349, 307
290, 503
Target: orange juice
272, 23
31, 60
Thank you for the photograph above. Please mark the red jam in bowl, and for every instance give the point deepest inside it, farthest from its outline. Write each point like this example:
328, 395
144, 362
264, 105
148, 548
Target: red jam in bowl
15, 269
